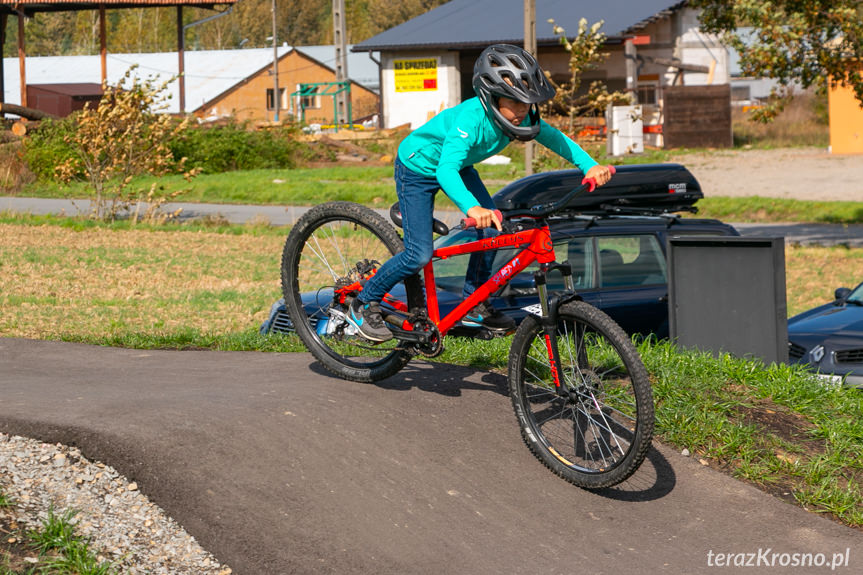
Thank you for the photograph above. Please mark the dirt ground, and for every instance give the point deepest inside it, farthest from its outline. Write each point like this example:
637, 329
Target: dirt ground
801, 174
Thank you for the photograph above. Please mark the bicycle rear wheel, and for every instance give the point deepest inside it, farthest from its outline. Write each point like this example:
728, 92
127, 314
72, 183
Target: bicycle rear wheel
597, 433
330, 252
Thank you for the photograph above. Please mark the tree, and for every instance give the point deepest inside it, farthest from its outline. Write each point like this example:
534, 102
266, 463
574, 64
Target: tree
808, 42
585, 53
124, 136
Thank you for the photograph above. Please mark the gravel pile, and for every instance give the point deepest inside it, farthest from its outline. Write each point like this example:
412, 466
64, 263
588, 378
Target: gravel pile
123, 526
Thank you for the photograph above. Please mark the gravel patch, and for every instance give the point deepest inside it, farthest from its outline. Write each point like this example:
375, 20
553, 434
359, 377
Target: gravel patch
788, 173
123, 526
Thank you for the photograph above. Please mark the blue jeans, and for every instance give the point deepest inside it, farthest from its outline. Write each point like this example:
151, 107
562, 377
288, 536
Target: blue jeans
416, 195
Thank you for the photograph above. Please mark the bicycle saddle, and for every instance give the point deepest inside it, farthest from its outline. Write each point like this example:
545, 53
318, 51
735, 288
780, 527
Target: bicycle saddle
438, 226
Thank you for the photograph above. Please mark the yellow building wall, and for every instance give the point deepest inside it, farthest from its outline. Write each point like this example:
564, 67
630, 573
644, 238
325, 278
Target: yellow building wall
248, 99
846, 121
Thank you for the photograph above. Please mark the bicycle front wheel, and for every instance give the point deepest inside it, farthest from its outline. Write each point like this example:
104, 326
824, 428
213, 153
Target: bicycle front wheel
331, 250
596, 433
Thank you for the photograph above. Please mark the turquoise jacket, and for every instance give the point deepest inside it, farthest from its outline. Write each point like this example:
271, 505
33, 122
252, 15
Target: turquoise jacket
464, 135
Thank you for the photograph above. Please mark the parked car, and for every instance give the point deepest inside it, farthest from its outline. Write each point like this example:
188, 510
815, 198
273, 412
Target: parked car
615, 240
829, 338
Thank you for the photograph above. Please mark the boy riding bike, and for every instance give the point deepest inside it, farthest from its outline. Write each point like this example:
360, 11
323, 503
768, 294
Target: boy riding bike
509, 85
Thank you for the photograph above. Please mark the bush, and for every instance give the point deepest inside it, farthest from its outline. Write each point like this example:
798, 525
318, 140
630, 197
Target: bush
49, 146
233, 146
210, 148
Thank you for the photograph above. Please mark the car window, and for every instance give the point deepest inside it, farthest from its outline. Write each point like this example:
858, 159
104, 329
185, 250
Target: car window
577, 251
624, 261
449, 273
627, 261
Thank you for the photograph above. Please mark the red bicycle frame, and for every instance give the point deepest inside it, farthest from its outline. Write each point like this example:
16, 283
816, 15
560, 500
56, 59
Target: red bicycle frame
537, 246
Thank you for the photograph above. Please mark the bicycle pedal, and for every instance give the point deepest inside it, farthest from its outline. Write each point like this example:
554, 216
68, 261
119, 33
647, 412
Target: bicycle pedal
503, 332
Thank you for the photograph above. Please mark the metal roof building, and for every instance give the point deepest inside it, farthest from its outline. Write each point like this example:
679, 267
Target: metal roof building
478, 23
208, 73
427, 62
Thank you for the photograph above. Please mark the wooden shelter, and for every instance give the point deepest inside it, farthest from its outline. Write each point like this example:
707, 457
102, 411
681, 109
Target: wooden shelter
23, 9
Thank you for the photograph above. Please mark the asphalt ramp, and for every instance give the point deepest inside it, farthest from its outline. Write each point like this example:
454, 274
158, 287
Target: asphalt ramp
276, 467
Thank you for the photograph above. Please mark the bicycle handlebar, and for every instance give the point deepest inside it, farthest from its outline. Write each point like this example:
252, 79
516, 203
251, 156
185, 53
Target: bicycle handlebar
588, 184
541, 210
471, 222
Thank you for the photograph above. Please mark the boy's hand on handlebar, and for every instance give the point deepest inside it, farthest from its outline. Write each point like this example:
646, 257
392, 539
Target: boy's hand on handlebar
485, 218
600, 174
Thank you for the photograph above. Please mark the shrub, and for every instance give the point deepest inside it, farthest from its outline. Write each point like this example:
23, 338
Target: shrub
48, 146
229, 146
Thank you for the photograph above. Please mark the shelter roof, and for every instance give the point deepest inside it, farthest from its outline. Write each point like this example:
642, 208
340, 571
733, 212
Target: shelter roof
11, 6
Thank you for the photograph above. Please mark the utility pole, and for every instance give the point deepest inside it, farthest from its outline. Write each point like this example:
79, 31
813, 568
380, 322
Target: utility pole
341, 66
276, 95
181, 53
629, 53
530, 46
3, 19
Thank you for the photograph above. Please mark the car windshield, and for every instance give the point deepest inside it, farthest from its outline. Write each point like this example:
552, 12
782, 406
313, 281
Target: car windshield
856, 296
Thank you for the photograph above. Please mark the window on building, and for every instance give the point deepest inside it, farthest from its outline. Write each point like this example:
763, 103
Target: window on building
647, 94
310, 100
739, 93
283, 99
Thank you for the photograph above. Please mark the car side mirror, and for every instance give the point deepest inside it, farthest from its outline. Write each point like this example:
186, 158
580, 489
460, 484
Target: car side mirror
841, 293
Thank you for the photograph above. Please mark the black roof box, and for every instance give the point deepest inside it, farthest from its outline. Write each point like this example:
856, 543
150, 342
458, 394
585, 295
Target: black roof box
642, 188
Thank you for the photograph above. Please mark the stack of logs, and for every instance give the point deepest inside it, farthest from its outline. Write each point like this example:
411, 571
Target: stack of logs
19, 127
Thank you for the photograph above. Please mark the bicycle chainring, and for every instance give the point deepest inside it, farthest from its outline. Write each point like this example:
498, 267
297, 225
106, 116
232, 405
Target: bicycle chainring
434, 346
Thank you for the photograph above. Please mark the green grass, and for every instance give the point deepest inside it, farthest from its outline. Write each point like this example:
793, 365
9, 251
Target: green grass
71, 552
190, 338
367, 184
78, 224
57, 531
759, 209
373, 186
60, 550
370, 185
777, 426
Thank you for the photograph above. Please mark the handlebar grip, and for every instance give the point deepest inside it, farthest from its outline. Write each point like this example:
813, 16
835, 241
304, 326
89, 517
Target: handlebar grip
591, 182
471, 222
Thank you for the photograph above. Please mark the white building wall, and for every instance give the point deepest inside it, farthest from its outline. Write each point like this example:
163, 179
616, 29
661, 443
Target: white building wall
696, 47
414, 105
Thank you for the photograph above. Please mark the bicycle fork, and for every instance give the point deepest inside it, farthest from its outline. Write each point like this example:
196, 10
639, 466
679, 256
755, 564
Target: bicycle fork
550, 305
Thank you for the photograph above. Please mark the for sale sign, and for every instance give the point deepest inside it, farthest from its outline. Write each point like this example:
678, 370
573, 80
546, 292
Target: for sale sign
418, 75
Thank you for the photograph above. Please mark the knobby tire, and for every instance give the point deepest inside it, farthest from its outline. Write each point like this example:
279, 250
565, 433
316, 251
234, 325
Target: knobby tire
599, 433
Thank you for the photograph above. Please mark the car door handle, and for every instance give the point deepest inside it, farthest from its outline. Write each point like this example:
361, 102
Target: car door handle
663, 299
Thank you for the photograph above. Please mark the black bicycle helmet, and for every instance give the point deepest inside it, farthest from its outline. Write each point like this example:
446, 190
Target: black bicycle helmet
504, 70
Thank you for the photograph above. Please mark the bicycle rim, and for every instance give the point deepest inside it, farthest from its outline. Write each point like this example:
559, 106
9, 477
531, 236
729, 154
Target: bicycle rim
597, 433
333, 247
